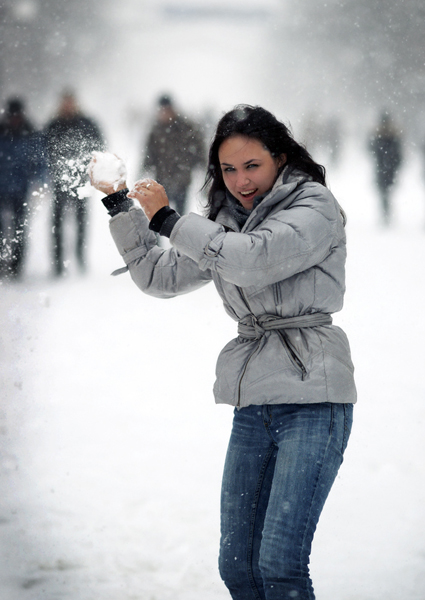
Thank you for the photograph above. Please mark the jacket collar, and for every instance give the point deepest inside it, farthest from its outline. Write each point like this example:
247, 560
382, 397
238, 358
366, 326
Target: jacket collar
231, 213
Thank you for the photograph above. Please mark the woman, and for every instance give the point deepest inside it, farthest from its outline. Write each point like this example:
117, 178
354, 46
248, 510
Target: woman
274, 245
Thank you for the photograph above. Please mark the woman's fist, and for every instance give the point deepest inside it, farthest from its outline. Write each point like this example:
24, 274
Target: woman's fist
150, 194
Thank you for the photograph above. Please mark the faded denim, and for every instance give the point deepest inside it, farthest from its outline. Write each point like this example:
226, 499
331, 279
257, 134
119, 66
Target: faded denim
281, 463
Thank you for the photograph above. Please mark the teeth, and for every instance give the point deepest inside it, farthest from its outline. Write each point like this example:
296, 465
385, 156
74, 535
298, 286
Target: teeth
247, 193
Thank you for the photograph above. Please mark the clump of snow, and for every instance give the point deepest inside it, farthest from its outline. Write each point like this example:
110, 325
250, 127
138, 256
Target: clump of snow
84, 191
106, 167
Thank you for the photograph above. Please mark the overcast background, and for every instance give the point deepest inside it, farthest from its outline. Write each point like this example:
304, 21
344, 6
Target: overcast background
345, 57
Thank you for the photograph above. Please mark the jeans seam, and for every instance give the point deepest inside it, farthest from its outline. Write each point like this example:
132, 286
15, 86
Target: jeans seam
331, 426
346, 432
267, 424
312, 501
252, 522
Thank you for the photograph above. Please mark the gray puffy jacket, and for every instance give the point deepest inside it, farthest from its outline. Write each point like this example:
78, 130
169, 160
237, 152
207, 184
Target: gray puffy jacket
287, 260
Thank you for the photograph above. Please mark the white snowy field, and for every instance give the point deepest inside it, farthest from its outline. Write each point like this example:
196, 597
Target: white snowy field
112, 447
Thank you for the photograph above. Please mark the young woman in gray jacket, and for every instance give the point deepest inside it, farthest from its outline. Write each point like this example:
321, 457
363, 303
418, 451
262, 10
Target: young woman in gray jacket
273, 242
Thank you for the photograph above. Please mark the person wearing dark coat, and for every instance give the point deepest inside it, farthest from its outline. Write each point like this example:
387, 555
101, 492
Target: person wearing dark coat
385, 145
70, 139
20, 165
175, 147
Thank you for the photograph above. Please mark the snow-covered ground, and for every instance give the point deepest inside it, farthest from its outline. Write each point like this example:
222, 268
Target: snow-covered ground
112, 447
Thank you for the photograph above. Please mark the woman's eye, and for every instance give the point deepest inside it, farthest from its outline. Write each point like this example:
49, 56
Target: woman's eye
252, 165
228, 169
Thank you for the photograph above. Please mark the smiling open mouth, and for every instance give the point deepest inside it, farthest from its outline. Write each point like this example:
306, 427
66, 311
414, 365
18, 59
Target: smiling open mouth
248, 193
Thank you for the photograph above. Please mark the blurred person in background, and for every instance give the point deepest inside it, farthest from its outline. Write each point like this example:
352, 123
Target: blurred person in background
70, 138
174, 148
386, 147
273, 242
322, 137
332, 139
21, 163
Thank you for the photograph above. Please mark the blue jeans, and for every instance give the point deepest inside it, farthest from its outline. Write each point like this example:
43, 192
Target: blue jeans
280, 466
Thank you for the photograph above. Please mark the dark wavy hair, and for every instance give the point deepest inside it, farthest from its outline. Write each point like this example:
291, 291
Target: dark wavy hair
258, 123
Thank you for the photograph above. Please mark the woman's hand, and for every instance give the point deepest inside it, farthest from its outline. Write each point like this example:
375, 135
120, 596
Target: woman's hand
106, 187
151, 196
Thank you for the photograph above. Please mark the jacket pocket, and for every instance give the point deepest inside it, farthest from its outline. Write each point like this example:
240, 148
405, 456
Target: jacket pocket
277, 293
294, 357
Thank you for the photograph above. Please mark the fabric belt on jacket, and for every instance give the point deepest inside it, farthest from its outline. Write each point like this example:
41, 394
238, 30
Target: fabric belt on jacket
253, 328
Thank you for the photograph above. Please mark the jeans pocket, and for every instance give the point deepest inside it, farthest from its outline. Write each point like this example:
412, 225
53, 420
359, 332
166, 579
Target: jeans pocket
341, 420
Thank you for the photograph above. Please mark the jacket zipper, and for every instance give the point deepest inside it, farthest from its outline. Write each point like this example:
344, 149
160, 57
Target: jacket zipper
242, 294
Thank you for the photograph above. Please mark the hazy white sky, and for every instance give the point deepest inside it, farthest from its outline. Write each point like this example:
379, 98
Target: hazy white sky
204, 62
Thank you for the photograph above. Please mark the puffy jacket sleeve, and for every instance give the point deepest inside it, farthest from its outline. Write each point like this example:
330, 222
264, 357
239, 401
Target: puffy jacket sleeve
285, 243
157, 272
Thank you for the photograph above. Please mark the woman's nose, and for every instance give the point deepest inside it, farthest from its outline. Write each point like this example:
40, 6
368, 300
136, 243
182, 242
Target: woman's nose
242, 179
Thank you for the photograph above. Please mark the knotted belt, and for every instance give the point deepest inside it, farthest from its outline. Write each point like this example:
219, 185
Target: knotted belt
253, 328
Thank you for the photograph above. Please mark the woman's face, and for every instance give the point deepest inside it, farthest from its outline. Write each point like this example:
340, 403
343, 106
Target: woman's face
248, 168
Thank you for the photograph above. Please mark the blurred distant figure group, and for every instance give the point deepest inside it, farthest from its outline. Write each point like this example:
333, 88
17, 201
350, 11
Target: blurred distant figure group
323, 138
58, 155
56, 158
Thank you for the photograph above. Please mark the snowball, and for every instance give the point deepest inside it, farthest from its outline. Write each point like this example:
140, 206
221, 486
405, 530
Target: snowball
107, 168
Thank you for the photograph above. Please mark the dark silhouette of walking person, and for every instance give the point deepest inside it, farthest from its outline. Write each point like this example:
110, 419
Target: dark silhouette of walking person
70, 139
385, 145
175, 147
20, 165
